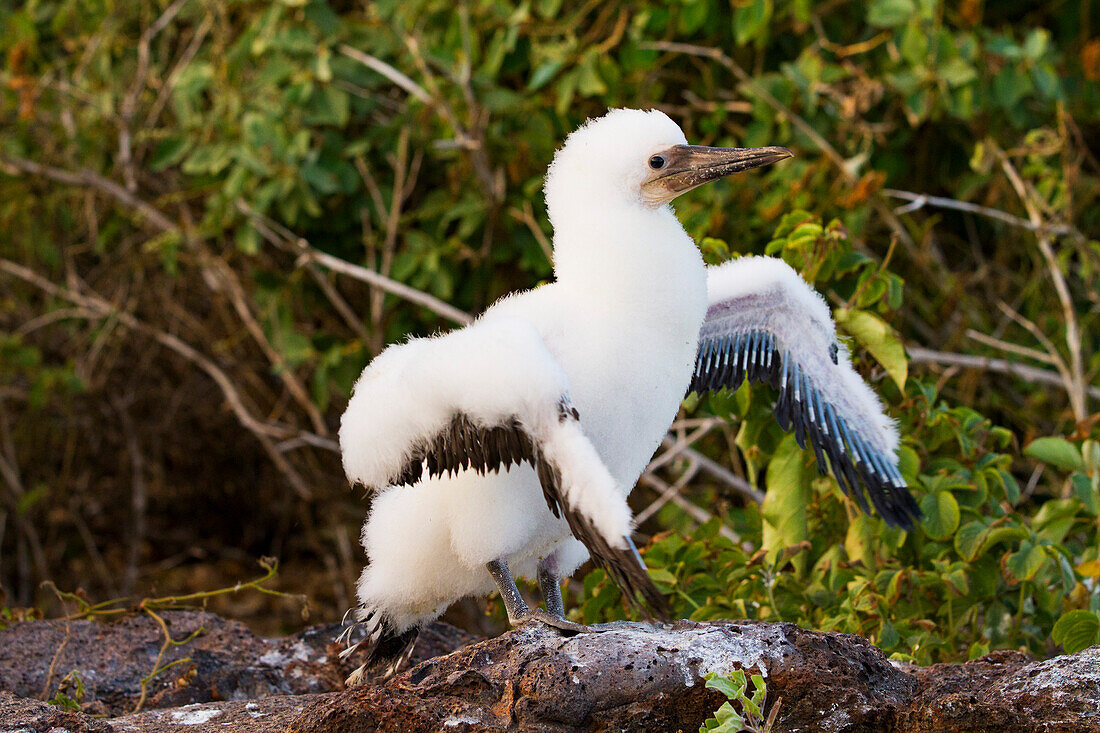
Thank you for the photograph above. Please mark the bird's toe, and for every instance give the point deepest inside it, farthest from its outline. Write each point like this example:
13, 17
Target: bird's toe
568, 628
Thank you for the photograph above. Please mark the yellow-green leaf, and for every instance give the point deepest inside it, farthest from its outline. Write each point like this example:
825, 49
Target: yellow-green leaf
875, 335
1077, 630
1089, 568
941, 514
1025, 563
1056, 451
784, 508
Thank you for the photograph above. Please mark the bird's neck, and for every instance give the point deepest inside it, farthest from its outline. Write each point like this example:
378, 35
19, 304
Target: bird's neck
629, 258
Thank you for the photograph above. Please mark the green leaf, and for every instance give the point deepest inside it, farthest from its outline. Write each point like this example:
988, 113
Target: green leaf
662, 575
957, 72
1057, 452
969, 540
1036, 43
543, 74
788, 495
750, 21
1089, 497
957, 581
873, 334
1025, 563
731, 685
725, 720
210, 159
859, 542
941, 514
890, 13
169, 152
1069, 578
1076, 630
1090, 452
1012, 486
589, 82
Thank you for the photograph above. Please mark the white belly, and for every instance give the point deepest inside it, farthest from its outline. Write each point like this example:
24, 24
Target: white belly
628, 366
628, 396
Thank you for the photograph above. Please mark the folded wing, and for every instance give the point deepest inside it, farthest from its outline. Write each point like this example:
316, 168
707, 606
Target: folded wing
764, 323
480, 399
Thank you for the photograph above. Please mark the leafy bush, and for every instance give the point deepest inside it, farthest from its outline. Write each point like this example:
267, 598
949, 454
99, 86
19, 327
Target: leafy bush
176, 348
975, 575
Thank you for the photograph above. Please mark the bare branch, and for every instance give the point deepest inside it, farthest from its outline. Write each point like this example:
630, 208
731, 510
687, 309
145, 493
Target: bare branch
281, 237
717, 470
698, 513
1075, 385
1010, 347
526, 215
920, 200
842, 164
918, 354
129, 102
170, 83
401, 80
668, 493
89, 178
232, 285
263, 431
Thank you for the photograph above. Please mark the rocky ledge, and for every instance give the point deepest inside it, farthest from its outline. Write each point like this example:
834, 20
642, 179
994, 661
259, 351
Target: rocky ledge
636, 677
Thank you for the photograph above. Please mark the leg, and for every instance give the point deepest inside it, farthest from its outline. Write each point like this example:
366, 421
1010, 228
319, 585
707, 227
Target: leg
550, 585
518, 612
513, 601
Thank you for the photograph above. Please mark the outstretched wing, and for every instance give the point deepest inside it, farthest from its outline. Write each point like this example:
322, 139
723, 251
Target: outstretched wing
765, 323
483, 398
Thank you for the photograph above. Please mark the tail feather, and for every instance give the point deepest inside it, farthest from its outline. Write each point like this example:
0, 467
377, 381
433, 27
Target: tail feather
386, 647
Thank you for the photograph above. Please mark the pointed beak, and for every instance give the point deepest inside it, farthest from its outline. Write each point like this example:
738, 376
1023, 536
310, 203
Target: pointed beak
689, 166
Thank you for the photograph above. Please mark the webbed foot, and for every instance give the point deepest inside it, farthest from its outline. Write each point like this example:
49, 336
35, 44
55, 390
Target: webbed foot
558, 622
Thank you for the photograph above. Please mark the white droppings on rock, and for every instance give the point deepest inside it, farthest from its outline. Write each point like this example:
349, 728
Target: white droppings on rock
193, 717
301, 652
1061, 675
253, 711
455, 722
274, 658
703, 650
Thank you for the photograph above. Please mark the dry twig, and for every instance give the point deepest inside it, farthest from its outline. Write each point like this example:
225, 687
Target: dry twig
264, 432
841, 163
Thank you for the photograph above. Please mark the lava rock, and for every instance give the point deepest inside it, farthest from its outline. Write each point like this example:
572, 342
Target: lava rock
226, 661
1008, 692
630, 676
22, 715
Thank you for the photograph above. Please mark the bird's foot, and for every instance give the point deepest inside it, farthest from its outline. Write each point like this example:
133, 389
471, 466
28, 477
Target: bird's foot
561, 624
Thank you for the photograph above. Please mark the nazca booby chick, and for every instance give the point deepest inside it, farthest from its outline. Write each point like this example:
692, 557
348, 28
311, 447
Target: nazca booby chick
508, 447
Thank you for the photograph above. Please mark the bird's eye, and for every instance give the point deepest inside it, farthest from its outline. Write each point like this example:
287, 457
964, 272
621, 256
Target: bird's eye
657, 162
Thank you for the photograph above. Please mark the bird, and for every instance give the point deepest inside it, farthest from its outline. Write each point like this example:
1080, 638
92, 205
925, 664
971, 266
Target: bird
507, 448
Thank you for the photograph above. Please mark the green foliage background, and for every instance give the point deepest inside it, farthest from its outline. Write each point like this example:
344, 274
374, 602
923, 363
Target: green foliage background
175, 352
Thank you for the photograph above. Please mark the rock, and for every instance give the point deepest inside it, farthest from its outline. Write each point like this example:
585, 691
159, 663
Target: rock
20, 715
637, 677
226, 660
264, 715
1005, 692
630, 676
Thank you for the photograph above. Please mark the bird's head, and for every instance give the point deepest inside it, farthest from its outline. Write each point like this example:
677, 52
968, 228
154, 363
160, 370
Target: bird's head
638, 158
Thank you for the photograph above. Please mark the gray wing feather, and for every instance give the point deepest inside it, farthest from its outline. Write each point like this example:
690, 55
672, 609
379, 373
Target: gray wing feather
765, 324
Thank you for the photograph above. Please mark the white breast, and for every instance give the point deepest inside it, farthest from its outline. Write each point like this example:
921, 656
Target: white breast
627, 343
